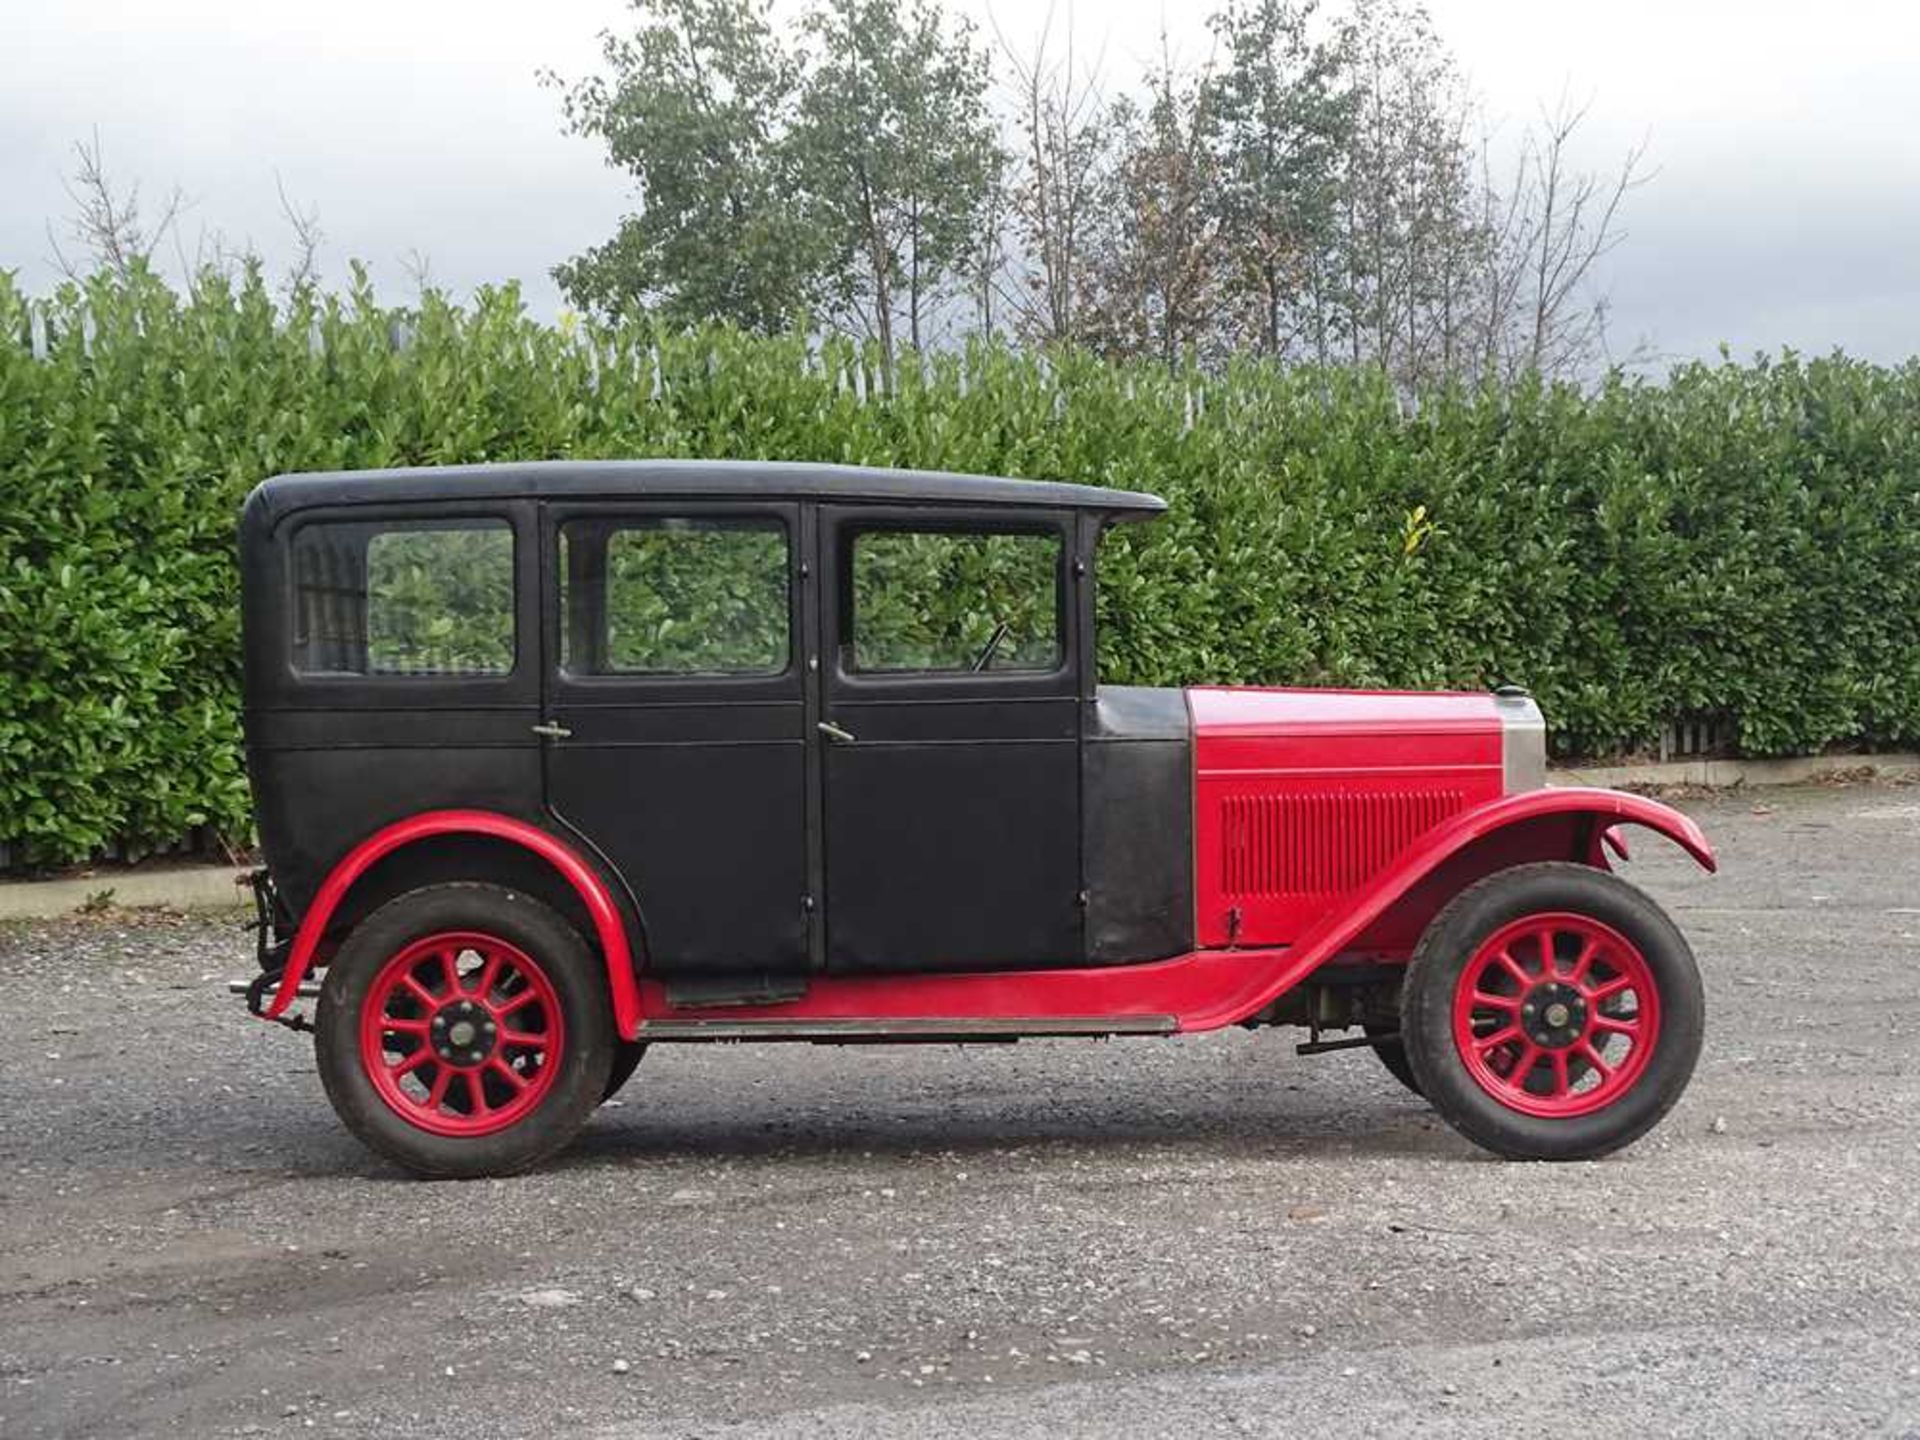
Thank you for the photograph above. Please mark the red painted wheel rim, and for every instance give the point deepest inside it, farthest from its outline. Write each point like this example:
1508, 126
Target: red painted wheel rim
461, 1034
1556, 1015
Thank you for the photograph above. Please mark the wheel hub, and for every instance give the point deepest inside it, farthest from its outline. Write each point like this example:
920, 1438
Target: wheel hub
1554, 1015
463, 1033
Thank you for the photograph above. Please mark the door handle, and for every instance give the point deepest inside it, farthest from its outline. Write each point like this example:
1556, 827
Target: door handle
834, 732
552, 731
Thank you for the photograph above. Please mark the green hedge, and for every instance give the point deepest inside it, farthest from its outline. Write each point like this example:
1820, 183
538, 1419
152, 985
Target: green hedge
1739, 541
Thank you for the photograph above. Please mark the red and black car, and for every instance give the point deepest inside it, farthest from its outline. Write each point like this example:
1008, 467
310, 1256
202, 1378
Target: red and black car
553, 762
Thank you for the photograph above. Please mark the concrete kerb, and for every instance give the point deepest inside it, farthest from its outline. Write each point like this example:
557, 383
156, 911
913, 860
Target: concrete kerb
172, 887
1725, 774
218, 887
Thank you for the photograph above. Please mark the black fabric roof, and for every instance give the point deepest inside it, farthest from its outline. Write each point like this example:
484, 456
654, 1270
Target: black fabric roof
717, 479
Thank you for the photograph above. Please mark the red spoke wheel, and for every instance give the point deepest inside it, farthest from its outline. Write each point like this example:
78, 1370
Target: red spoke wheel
461, 1033
464, 1030
1552, 1012
1556, 1015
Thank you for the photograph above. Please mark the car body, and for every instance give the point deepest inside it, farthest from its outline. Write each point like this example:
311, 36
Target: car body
795, 752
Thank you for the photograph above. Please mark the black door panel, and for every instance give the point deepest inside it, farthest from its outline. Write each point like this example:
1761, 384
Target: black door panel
693, 785
952, 856
951, 797
708, 835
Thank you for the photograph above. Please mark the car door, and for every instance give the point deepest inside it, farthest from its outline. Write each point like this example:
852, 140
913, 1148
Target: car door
679, 743
949, 740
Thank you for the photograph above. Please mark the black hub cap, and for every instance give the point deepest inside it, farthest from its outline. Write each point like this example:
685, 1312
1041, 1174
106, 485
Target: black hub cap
463, 1033
1554, 1015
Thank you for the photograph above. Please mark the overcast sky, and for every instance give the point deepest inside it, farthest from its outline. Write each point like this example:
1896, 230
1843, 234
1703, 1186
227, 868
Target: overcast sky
1785, 207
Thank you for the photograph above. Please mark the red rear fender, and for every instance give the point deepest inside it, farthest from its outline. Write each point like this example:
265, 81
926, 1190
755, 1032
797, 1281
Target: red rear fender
609, 928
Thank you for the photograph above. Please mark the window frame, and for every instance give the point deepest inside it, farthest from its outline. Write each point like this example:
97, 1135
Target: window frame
849, 628
660, 522
670, 687
376, 689
842, 528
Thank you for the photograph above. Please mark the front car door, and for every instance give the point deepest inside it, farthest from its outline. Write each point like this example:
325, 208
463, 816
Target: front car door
949, 739
677, 692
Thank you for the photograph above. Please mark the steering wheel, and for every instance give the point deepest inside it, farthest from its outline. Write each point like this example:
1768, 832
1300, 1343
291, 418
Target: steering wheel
985, 657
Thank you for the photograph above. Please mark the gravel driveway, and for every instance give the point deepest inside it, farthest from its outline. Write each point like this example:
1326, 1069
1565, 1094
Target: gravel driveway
1060, 1238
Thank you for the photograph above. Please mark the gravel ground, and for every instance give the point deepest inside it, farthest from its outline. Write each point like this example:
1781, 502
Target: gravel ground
1059, 1238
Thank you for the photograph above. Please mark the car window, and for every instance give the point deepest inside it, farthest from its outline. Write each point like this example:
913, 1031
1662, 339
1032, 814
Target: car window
675, 596
955, 601
404, 598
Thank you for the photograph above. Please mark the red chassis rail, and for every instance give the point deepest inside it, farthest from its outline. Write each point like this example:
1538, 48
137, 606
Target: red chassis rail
1202, 990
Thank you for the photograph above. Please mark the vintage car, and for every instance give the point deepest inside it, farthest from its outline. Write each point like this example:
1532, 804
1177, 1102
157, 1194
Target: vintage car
554, 762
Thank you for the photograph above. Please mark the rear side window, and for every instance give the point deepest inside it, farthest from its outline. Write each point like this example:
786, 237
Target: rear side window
955, 601
675, 596
404, 598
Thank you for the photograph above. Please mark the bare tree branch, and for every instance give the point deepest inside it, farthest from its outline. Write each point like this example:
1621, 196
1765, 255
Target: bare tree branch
106, 225
307, 239
419, 267
1572, 221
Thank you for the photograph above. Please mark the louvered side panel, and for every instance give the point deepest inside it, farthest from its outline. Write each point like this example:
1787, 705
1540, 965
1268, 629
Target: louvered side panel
1317, 844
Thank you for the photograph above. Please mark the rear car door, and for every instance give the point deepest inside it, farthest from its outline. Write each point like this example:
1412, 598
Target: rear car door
949, 740
679, 744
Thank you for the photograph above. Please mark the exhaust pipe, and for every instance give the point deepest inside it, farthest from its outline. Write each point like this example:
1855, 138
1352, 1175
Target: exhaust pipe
309, 989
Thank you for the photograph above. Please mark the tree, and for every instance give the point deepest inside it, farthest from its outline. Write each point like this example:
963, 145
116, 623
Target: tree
1065, 143
986, 264
898, 157
695, 105
1559, 222
1412, 241
1285, 129
1158, 270
1315, 195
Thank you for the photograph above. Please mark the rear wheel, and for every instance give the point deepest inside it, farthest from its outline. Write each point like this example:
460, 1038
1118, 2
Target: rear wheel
1552, 1012
626, 1058
463, 1030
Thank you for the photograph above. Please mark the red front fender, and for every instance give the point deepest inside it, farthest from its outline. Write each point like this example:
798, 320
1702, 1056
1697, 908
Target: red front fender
1338, 930
1612, 807
607, 924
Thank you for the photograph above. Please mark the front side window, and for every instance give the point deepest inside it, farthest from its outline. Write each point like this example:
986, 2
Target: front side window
675, 596
404, 598
955, 601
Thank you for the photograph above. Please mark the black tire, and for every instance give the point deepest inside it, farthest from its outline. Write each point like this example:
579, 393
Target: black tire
1393, 1055
626, 1058
577, 980
1450, 945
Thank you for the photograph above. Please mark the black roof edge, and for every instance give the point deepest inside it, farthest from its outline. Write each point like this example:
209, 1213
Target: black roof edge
274, 499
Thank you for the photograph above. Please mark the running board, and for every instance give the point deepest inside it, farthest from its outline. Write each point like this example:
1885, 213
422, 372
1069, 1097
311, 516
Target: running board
908, 1028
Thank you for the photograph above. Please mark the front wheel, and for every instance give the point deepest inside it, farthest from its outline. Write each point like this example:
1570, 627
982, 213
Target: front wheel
463, 1030
1393, 1055
1552, 1012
